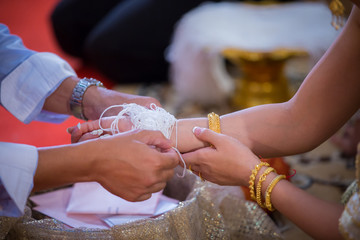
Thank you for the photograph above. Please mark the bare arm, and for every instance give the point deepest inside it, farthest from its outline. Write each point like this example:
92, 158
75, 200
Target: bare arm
328, 97
95, 101
230, 163
319, 218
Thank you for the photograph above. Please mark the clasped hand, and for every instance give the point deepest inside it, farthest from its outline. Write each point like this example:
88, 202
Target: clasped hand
133, 164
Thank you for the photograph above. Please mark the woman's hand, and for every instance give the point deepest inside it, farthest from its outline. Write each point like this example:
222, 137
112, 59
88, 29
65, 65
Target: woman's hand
226, 162
90, 130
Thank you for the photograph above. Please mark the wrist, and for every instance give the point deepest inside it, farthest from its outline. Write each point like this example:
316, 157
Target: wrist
185, 138
84, 89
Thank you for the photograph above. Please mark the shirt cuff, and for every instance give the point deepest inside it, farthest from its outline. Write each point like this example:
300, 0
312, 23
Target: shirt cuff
18, 163
24, 90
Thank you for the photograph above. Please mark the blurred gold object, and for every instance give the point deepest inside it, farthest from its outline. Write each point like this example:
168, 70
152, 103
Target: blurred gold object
338, 13
263, 79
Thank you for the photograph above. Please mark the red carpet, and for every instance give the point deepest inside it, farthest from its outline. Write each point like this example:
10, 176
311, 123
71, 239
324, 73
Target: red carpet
30, 21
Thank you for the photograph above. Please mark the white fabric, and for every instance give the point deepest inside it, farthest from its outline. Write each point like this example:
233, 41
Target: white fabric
18, 163
198, 72
23, 93
91, 197
24, 90
153, 118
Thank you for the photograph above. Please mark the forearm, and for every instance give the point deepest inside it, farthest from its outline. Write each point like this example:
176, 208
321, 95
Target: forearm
63, 165
270, 130
316, 217
255, 127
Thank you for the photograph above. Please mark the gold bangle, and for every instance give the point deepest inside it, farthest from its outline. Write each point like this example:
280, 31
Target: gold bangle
269, 190
258, 186
214, 122
253, 177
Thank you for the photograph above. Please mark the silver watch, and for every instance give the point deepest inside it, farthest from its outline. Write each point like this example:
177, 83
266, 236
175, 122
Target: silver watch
76, 99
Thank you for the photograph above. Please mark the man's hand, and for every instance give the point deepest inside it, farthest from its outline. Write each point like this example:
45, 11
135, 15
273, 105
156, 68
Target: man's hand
135, 164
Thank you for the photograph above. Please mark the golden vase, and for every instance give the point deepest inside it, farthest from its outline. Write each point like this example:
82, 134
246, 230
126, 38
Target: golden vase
262, 78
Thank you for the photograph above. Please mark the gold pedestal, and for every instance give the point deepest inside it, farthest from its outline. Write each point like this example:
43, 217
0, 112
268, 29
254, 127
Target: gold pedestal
263, 80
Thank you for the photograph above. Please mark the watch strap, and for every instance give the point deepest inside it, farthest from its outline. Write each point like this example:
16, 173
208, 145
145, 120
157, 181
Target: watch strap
76, 100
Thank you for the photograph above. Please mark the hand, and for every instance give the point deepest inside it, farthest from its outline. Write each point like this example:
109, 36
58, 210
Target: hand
135, 164
228, 162
97, 99
88, 130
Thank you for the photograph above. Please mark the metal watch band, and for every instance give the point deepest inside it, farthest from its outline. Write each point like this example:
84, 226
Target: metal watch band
76, 99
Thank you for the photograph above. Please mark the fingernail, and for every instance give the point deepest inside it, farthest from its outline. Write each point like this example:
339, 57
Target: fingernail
197, 130
97, 132
105, 136
79, 126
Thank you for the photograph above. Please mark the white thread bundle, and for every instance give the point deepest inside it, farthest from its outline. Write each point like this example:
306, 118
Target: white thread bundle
153, 118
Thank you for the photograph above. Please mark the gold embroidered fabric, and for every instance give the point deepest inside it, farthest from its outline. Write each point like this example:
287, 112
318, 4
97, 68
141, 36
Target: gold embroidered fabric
349, 222
208, 211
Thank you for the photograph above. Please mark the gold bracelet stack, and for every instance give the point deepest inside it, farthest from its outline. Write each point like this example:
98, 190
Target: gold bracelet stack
253, 177
258, 198
258, 186
214, 122
269, 190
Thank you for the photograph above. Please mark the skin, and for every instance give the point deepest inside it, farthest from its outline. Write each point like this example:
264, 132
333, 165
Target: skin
326, 100
95, 100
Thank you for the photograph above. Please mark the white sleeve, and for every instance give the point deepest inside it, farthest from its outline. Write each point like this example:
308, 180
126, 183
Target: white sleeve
18, 164
24, 90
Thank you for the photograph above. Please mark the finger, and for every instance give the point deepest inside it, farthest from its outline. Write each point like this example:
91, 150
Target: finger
207, 135
80, 129
157, 187
191, 159
169, 159
71, 129
88, 127
155, 138
143, 197
87, 136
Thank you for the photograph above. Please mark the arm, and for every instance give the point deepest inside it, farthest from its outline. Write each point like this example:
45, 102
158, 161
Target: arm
328, 97
95, 100
231, 163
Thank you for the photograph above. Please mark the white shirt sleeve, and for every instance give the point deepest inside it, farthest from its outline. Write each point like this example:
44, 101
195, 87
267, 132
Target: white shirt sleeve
18, 164
24, 90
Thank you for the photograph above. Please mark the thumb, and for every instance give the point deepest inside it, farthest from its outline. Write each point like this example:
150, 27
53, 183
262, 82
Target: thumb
207, 135
155, 138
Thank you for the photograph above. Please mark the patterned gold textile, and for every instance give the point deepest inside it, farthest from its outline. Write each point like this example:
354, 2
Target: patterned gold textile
349, 223
208, 212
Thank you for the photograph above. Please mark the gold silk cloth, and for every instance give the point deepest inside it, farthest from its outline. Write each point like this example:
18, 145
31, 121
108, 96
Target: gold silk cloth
349, 222
206, 211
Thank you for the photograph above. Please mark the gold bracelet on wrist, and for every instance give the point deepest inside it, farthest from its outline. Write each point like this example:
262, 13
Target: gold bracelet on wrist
253, 177
258, 186
214, 122
269, 190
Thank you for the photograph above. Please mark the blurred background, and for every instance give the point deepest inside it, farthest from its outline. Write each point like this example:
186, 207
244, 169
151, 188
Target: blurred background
194, 56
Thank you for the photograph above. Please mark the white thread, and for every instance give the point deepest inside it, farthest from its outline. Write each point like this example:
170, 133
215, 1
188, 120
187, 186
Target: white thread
155, 118
184, 169
176, 134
